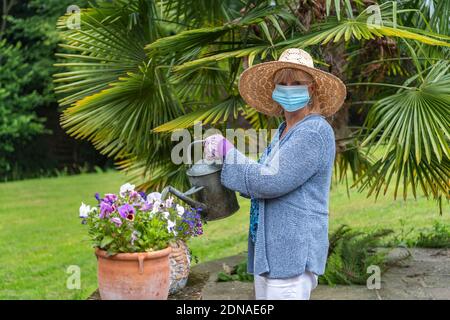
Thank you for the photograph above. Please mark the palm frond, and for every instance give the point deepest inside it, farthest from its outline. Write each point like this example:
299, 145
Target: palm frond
215, 57
347, 29
119, 120
126, 83
206, 82
186, 40
418, 116
200, 37
220, 112
432, 178
200, 12
331, 31
336, 4
156, 176
109, 44
351, 158
260, 121
412, 125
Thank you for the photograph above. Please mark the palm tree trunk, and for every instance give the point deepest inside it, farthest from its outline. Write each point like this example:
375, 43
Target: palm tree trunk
334, 55
309, 12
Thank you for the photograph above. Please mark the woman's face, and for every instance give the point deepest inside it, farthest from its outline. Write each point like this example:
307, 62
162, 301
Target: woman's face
296, 77
302, 78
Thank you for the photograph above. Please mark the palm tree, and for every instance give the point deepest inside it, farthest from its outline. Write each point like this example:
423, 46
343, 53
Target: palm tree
137, 70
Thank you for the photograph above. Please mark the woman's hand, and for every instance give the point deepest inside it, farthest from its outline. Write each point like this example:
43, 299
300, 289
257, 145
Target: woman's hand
216, 147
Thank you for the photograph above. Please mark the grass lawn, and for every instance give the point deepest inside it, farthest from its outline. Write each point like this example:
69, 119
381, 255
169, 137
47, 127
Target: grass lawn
41, 235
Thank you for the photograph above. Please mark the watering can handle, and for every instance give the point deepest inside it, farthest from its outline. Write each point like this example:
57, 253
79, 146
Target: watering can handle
189, 150
185, 196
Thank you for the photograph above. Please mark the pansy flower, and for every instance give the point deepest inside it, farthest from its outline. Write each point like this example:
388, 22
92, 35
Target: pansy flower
181, 222
84, 210
154, 196
134, 196
143, 195
127, 212
157, 206
180, 210
166, 215
116, 221
145, 206
124, 189
169, 202
171, 226
110, 198
105, 209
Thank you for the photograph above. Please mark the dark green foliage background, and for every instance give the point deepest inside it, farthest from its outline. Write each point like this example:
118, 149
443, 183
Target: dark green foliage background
32, 143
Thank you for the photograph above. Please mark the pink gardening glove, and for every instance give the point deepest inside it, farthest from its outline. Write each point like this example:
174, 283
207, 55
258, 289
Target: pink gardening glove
216, 147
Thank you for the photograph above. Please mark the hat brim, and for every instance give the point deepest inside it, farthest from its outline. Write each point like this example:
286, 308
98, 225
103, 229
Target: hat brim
256, 85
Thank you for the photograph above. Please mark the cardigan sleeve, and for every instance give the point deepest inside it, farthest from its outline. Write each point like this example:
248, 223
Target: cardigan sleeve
299, 158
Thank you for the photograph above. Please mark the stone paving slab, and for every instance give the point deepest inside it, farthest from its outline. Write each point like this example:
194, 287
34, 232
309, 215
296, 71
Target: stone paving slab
342, 292
232, 290
424, 275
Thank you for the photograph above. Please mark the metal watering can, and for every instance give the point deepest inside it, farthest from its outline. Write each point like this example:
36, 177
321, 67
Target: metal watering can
215, 200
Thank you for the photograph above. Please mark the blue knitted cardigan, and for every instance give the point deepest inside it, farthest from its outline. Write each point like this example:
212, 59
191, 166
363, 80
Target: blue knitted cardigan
291, 185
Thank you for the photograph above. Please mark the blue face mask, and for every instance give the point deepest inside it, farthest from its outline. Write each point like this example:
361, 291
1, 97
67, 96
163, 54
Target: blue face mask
291, 98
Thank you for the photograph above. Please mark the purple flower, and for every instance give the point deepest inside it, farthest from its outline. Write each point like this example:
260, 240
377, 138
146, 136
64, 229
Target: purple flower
110, 198
105, 209
143, 195
146, 206
134, 195
127, 212
97, 196
116, 221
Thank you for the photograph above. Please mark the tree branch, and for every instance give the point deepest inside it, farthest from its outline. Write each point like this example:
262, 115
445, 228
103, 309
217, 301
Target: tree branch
7, 6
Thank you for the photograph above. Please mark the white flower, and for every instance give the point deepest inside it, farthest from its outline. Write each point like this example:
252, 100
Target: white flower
169, 202
180, 210
154, 196
166, 215
84, 210
156, 206
171, 226
127, 187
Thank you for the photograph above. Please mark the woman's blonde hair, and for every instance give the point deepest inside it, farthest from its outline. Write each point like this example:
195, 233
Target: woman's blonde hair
289, 75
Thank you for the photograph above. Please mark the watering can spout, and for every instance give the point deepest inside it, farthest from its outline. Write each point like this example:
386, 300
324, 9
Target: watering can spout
209, 195
184, 196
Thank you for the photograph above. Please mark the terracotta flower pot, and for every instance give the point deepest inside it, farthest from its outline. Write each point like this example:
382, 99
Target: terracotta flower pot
134, 276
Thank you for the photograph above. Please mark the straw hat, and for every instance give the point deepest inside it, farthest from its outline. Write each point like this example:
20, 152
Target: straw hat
256, 84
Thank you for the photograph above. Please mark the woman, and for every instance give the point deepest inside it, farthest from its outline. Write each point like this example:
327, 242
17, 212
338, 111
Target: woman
289, 185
